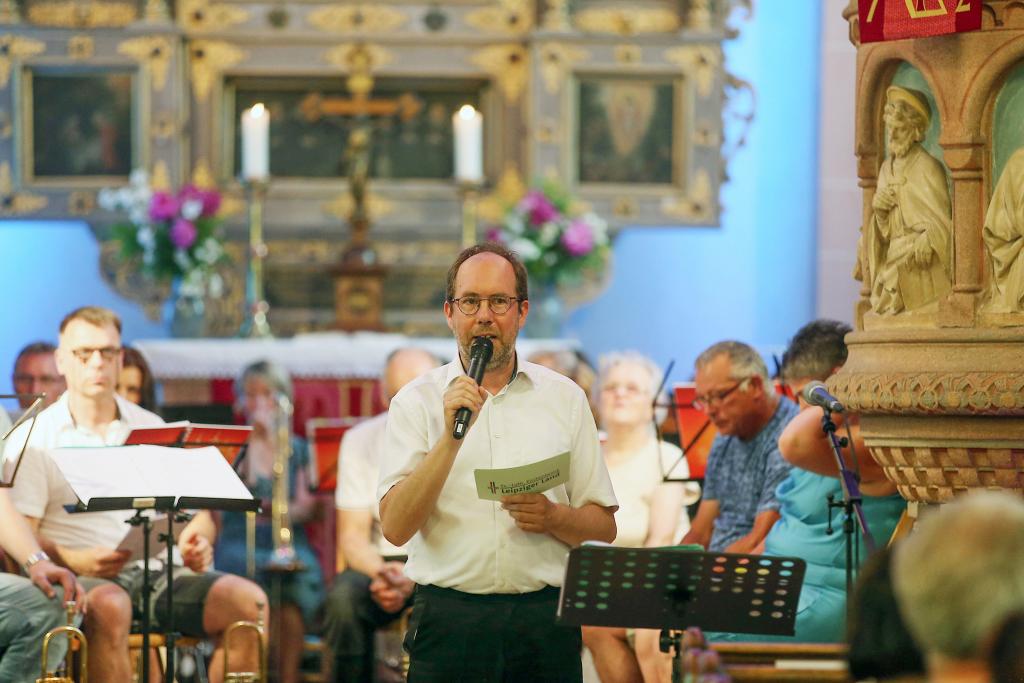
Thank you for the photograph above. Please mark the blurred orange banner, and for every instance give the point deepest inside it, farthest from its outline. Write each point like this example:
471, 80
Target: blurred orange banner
897, 19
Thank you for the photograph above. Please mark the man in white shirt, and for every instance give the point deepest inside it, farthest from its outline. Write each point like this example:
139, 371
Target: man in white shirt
488, 573
91, 414
29, 607
373, 589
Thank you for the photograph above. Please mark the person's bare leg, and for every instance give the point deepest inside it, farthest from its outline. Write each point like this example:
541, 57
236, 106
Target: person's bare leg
655, 665
613, 658
107, 622
231, 599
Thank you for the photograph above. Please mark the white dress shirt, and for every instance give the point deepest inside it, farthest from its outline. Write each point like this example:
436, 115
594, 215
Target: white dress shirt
40, 489
470, 544
358, 473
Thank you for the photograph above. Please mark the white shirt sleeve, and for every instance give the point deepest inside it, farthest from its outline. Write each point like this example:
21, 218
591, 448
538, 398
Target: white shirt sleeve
588, 476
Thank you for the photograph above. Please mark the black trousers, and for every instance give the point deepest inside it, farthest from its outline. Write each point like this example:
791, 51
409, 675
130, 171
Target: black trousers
456, 636
350, 619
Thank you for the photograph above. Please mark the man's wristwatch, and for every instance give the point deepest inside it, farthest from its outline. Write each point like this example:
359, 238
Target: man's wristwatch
35, 558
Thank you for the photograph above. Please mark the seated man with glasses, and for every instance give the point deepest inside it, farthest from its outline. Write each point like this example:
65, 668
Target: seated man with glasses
35, 372
90, 413
744, 467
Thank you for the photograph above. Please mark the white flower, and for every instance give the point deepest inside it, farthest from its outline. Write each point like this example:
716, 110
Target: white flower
550, 258
209, 251
598, 227
137, 215
124, 197
527, 250
514, 223
191, 209
216, 286
548, 234
139, 177
107, 199
146, 237
182, 260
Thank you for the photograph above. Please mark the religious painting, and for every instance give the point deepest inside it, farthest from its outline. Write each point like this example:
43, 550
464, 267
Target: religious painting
81, 124
625, 130
409, 120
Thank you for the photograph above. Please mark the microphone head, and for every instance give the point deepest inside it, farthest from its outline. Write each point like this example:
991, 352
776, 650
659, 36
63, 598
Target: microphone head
808, 391
481, 346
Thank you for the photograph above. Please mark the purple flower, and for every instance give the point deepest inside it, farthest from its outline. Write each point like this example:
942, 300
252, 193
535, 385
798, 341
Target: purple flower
183, 233
163, 206
493, 234
539, 207
577, 239
208, 198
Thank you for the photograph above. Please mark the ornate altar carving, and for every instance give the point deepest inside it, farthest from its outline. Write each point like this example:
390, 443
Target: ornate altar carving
937, 375
161, 84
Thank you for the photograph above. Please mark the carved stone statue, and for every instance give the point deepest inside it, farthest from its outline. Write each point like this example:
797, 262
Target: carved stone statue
908, 240
1004, 238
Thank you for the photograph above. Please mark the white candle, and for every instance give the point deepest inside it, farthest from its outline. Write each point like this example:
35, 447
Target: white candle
469, 144
256, 143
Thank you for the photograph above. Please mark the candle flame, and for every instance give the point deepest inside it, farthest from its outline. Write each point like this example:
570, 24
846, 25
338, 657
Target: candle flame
258, 109
467, 111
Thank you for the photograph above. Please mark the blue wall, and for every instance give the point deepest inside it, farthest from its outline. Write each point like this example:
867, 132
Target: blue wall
676, 291
48, 269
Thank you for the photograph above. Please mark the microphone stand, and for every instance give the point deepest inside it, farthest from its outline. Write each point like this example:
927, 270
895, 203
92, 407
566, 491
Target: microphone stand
851, 503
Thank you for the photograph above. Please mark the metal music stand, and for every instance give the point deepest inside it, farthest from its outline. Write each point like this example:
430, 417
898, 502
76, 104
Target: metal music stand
175, 507
673, 588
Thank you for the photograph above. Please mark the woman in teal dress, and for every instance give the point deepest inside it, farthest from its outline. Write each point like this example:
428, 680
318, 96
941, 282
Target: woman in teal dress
802, 530
301, 593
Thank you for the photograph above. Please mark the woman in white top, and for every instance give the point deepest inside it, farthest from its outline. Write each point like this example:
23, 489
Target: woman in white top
651, 512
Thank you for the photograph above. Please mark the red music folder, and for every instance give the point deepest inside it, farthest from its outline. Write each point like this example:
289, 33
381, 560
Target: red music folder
324, 434
228, 438
695, 429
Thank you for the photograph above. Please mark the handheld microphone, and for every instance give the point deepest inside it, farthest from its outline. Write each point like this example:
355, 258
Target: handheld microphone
816, 394
479, 355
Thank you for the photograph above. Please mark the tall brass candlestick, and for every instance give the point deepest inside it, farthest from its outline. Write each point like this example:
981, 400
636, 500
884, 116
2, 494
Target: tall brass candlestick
469, 196
256, 306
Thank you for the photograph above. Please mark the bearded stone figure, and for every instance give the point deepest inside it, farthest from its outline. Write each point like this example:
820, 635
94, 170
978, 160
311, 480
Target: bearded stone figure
908, 241
1004, 237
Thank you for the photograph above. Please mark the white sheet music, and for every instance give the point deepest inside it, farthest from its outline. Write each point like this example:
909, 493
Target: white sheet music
145, 471
134, 540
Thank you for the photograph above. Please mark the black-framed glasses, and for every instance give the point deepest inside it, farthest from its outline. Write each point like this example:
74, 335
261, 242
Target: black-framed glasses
107, 353
716, 397
498, 304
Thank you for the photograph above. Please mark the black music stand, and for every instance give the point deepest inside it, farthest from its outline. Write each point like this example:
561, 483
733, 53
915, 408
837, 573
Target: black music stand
673, 588
80, 468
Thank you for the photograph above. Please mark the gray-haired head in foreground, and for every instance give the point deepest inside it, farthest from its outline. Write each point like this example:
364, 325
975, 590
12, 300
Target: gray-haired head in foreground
960, 574
745, 361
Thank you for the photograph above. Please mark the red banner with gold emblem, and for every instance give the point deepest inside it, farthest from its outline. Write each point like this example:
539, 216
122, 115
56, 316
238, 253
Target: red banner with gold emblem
896, 19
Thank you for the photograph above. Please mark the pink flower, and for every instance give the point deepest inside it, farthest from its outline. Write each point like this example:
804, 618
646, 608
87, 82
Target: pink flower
577, 239
183, 233
208, 198
493, 234
539, 207
163, 206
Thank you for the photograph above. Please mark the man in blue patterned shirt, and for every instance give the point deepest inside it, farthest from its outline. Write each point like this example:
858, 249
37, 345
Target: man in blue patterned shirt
744, 467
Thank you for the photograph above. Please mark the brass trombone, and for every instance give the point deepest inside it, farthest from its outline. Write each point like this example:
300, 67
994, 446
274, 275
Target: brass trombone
73, 634
257, 628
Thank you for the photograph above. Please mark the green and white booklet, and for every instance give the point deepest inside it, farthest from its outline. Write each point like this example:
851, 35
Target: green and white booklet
535, 477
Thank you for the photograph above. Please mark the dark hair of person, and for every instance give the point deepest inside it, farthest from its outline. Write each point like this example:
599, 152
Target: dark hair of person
816, 350
36, 348
134, 359
522, 288
880, 644
1007, 656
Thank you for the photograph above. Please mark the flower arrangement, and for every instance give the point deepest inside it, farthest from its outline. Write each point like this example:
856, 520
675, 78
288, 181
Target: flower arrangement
175, 236
558, 246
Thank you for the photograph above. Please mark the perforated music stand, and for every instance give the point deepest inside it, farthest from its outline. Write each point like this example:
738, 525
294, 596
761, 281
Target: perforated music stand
675, 588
